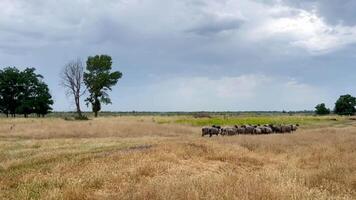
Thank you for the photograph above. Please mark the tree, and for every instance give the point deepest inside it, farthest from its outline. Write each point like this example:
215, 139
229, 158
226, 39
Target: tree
72, 81
28, 83
345, 105
43, 100
99, 80
23, 92
10, 90
321, 109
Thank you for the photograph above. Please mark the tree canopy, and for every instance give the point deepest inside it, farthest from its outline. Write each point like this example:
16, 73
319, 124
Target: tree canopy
23, 92
321, 109
345, 105
99, 81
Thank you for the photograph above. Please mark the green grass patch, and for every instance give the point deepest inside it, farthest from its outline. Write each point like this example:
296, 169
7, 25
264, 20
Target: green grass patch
227, 120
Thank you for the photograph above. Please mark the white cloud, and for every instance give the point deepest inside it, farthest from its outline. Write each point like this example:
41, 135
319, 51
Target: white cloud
307, 30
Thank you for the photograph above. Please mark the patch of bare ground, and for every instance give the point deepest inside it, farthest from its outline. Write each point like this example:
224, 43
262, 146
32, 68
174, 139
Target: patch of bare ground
126, 161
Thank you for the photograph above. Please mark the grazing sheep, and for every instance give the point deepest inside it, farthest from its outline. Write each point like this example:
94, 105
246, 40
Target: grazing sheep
286, 129
205, 131
295, 127
210, 131
216, 126
248, 129
269, 130
276, 128
257, 130
214, 131
228, 131
266, 129
231, 131
240, 130
263, 129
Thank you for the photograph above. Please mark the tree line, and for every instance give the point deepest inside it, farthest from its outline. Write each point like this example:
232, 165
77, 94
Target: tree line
23, 92
345, 105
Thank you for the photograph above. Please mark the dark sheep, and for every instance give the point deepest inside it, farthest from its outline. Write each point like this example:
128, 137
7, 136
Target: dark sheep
248, 129
210, 131
240, 130
286, 129
295, 127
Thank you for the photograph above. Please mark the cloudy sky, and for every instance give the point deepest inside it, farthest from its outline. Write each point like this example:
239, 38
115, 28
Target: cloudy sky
191, 55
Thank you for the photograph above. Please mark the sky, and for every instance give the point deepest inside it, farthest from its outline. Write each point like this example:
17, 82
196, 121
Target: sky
191, 55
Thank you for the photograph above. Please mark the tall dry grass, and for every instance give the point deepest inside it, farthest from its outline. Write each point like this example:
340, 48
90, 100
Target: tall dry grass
135, 158
98, 128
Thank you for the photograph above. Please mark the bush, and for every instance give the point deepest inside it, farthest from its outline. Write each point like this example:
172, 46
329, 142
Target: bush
76, 118
83, 117
321, 109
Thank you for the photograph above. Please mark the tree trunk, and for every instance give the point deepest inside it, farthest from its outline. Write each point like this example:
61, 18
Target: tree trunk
77, 104
96, 113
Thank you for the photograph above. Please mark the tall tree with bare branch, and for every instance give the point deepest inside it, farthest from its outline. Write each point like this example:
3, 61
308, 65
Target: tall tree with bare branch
72, 81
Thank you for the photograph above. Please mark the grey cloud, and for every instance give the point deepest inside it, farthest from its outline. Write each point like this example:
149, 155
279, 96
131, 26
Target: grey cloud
216, 26
155, 40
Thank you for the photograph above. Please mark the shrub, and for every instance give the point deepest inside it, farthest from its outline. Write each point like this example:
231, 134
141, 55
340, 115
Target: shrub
83, 117
321, 109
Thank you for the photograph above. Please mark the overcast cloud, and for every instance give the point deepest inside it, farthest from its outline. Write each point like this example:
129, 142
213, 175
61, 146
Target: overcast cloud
183, 55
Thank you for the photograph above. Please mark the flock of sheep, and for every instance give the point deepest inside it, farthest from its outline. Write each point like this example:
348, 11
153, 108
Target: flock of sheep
248, 129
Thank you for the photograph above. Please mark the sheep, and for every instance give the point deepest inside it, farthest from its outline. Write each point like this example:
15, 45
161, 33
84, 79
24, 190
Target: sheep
205, 131
248, 129
214, 131
286, 129
276, 128
231, 131
257, 130
266, 129
295, 127
269, 130
210, 131
216, 126
240, 130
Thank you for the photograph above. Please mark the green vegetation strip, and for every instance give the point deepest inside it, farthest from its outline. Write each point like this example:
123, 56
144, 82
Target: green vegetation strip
220, 120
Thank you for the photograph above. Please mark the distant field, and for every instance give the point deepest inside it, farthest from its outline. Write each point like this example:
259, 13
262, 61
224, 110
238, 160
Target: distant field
160, 157
264, 119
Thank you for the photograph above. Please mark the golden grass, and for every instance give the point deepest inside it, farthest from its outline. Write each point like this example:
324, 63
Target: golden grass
136, 158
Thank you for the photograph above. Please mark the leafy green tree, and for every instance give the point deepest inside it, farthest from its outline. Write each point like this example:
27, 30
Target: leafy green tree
321, 109
345, 105
23, 92
43, 100
99, 80
28, 82
10, 90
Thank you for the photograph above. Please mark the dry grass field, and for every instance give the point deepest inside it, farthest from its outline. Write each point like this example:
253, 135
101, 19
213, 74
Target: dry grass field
139, 158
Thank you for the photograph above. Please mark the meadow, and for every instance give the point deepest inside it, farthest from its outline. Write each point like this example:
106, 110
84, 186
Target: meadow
165, 157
